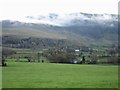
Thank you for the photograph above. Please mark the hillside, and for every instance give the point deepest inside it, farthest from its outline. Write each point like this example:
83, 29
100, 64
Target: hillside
90, 30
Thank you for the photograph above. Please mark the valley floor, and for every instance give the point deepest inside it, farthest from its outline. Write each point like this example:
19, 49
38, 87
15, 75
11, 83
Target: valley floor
0, 77
50, 75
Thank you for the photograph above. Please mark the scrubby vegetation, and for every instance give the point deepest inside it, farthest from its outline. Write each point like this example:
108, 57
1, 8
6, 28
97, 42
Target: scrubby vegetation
5, 53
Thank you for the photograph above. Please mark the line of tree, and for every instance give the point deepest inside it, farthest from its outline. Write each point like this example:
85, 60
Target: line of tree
60, 55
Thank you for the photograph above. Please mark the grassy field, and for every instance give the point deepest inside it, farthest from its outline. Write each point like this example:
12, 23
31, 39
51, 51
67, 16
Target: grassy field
0, 77
50, 75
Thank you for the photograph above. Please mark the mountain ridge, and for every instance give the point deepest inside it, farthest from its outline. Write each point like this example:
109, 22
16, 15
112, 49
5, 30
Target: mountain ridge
95, 31
69, 19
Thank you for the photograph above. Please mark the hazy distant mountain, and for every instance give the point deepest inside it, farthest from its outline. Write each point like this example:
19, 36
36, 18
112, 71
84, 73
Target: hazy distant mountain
77, 28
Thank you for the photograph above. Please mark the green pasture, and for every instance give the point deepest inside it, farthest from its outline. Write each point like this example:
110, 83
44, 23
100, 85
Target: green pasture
51, 75
0, 77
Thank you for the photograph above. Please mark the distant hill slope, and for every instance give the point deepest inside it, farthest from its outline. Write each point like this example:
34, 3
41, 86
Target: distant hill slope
29, 30
77, 31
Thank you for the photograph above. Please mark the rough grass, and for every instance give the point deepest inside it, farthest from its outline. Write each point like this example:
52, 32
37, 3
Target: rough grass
50, 75
21, 31
0, 77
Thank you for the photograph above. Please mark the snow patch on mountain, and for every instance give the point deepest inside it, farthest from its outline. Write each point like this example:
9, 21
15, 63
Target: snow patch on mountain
74, 18
70, 19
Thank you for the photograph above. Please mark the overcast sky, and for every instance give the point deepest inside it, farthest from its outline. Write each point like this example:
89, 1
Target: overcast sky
20, 8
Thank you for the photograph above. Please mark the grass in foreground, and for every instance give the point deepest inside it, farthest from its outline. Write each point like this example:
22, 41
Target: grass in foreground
47, 75
0, 77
